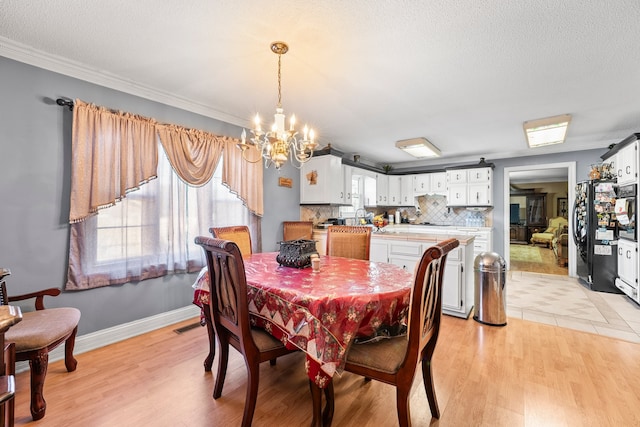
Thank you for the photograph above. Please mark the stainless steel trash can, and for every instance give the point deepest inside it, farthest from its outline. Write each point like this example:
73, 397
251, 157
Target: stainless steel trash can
490, 294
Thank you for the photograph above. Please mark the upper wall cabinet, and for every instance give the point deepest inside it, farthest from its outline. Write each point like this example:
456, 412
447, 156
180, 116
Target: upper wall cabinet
470, 187
626, 164
322, 181
430, 183
439, 183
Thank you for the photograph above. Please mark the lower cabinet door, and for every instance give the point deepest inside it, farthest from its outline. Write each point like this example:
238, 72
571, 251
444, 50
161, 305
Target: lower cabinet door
378, 252
407, 264
452, 292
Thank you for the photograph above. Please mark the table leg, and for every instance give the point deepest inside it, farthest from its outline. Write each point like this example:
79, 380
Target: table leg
322, 418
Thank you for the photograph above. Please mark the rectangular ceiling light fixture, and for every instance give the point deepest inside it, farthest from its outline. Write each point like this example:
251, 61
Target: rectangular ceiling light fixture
548, 131
418, 147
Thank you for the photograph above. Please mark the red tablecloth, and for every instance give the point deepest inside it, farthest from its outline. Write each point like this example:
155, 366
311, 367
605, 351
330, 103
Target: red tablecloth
322, 313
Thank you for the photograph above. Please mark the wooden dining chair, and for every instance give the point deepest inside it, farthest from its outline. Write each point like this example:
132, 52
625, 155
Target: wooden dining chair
239, 234
228, 302
39, 332
394, 360
349, 241
295, 230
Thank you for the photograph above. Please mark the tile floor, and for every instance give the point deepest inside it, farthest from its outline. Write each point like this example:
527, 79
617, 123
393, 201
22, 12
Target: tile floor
563, 301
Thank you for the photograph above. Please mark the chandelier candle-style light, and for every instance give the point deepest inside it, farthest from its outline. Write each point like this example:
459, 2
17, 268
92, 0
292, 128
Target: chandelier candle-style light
277, 144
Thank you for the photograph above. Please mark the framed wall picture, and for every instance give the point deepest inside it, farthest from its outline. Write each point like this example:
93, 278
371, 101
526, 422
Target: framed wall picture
563, 208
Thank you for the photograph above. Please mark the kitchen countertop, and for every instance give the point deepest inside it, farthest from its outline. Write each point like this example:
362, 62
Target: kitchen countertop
401, 233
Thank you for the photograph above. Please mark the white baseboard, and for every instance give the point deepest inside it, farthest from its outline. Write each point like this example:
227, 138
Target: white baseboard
118, 333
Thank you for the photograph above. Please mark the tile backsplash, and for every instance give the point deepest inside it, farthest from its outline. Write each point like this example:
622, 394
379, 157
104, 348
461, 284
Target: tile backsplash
432, 209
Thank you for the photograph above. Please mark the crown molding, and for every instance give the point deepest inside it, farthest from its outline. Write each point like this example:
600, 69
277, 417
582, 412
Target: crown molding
23, 53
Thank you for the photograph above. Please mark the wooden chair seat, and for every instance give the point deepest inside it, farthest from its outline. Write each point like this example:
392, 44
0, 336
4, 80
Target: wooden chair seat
38, 333
385, 355
43, 328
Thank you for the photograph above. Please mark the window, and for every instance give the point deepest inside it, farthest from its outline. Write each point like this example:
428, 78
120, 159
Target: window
151, 232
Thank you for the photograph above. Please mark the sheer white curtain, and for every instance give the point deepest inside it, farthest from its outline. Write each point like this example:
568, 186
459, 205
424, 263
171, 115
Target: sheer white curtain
150, 233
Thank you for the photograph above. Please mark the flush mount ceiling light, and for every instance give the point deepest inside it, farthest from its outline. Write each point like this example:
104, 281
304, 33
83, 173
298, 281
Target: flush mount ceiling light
418, 147
548, 131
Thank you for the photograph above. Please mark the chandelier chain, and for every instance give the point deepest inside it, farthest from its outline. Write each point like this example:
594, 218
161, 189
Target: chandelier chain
279, 82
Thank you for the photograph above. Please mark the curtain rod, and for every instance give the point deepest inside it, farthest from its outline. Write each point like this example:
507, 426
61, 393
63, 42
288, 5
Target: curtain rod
65, 103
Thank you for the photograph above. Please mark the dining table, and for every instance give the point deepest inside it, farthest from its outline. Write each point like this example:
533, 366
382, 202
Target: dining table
321, 312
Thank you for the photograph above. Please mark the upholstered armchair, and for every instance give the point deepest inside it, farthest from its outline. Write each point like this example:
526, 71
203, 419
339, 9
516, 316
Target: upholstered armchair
552, 232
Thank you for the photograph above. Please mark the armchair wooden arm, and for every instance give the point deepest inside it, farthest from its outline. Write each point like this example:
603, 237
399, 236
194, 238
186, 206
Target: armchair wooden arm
39, 296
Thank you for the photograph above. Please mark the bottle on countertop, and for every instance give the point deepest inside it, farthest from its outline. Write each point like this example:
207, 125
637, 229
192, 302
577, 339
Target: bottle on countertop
398, 220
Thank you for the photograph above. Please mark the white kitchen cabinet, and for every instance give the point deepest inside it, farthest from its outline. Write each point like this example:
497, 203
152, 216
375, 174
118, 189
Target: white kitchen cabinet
628, 262
457, 283
457, 195
378, 251
382, 189
479, 195
438, 183
347, 175
421, 184
405, 254
370, 186
321, 181
430, 183
626, 164
479, 175
406, 191
457, 286
457, 176
470, 187
452, 287
394, 190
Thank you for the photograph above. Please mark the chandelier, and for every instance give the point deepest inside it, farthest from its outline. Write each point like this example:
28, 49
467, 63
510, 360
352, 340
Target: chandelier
276, 145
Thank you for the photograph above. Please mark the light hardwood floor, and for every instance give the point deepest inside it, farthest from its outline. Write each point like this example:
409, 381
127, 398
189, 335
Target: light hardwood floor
524, 374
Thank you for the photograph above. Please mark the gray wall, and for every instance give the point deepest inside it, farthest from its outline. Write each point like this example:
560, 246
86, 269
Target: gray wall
282, 203
35, 152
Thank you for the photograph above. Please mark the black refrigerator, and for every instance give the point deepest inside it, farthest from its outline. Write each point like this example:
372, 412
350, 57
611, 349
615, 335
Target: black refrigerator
595, 235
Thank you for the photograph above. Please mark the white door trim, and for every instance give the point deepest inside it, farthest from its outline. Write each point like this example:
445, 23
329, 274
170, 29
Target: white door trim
571, 185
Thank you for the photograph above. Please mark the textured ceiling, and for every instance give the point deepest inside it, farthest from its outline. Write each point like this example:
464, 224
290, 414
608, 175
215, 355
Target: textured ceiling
464, 74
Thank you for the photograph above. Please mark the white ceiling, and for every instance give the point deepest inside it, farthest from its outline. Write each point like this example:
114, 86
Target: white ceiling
464, 74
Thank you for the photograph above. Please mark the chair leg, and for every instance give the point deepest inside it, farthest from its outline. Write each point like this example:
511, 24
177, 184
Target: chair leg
222, 367
38, 365
208, 362
402, 403
70, 362
253, 380
427, 378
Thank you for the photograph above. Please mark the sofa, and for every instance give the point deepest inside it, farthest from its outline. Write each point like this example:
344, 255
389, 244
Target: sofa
557, 226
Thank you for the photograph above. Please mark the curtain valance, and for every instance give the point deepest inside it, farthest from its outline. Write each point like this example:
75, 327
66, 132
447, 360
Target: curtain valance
114, 152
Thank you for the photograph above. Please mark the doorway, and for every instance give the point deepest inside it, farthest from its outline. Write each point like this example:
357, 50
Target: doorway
519, 176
